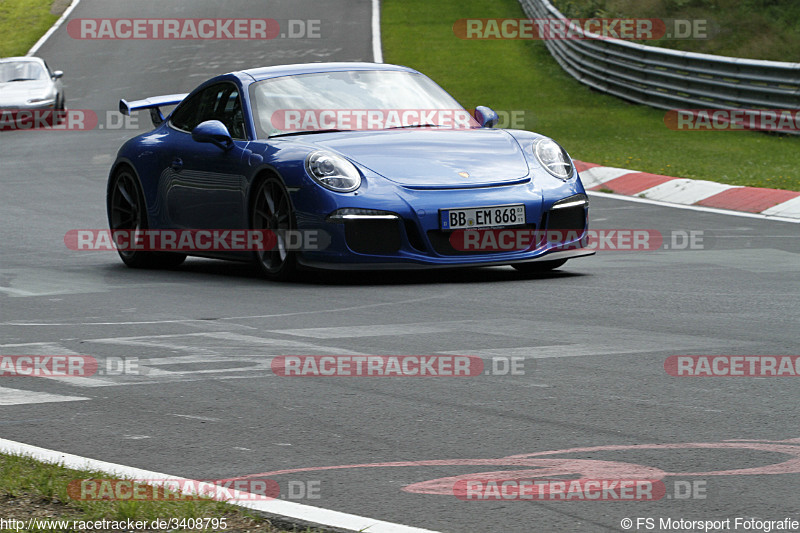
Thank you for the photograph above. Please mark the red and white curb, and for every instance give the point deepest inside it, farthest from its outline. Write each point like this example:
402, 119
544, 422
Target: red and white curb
767, 202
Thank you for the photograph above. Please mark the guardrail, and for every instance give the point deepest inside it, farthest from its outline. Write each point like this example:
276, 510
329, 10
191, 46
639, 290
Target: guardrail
671, 79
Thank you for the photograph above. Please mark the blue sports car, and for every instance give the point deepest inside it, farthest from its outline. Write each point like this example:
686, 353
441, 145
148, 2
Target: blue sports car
347, 166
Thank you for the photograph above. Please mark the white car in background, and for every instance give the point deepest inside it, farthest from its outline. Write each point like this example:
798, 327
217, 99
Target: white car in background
28, 83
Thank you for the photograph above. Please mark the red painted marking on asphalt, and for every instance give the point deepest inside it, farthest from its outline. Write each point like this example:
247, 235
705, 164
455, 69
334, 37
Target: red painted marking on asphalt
434, 462
633, 183
750, 199
588, 469
791, 466
788, 441
548, 468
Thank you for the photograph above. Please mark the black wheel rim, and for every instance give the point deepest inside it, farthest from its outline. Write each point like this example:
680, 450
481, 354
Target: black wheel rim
273, 212
126, 212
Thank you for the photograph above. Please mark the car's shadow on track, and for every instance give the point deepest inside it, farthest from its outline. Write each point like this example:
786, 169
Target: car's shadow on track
202, 268
421, 277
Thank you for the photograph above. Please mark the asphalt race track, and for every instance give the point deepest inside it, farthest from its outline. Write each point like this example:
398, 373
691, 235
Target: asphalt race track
205, 404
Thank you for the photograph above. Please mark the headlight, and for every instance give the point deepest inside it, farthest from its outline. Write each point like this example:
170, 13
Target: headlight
553, 158
333, 171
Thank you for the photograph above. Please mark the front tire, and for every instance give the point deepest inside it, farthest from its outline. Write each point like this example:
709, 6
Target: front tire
59, 115
539, 266
126, 211
272, 210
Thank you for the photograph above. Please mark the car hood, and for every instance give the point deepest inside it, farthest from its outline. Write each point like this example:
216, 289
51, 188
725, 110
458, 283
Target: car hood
433, 158
19, 92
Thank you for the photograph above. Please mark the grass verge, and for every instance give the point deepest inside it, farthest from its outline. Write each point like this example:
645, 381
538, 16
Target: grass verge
22, 23
30, 489
521, 75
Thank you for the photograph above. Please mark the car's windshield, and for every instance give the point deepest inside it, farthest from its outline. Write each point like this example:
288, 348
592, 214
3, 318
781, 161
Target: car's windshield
21, 71
352, 100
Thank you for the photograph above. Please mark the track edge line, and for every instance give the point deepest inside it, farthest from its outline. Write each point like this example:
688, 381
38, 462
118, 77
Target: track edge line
278, 511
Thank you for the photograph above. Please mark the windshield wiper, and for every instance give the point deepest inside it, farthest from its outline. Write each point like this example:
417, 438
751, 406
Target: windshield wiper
21, 79
415, 126
304, 132
307, 132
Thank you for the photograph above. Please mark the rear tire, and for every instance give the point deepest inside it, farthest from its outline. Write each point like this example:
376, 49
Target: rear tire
539, 266
126, 211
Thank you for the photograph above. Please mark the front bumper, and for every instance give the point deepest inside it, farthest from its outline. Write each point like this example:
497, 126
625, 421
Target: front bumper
410, 237
49, 104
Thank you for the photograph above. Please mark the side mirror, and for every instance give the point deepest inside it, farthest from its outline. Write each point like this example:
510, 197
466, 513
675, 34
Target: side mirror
58, 74
486, 117
214, 132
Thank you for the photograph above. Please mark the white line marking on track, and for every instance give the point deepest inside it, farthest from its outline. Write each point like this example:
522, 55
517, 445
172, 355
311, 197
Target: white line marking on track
52, 348
247, 317
32, 282
306, 513
377, 50
379, 330
24, 397
53, 28
754, 260
692, 207
217, 346
19, 292
201, 418
552, 352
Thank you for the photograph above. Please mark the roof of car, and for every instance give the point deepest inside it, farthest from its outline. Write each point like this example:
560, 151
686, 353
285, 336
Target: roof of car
264, 73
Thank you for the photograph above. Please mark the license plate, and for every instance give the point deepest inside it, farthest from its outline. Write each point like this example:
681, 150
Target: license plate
482, 217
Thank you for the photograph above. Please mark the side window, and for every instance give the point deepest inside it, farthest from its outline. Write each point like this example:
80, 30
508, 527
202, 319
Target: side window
233, 117
218, 102
185, 116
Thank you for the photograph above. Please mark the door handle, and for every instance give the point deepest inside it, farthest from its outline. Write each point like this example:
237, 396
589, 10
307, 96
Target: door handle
177, 164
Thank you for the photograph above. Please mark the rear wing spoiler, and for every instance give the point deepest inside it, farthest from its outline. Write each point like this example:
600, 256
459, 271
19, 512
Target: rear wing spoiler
154, 103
